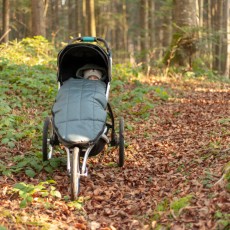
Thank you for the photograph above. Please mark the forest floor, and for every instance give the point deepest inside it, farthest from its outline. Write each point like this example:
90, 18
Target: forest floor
174, 177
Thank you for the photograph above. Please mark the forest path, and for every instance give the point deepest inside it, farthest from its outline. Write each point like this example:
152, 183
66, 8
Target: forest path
178, 153
174, 158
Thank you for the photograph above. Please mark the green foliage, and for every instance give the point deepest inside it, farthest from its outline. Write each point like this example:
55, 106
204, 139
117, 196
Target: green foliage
29, 51
31, 165
227, 176
178, 204
223, 220
77, 204
161, 93
27, 191
2, 228
198, 71
126, 72
140, 99
225, 121
27, 80
162, 207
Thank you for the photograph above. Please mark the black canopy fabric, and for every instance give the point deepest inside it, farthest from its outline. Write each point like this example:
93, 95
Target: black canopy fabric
74, 56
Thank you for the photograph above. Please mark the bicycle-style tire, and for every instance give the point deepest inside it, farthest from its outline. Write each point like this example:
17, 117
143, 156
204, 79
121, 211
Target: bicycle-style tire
47, 129
121, 143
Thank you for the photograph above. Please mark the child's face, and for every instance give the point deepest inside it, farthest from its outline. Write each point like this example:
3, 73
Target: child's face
92, 74
93, 77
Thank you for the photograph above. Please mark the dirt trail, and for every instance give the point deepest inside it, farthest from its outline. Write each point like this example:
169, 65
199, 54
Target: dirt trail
178, 152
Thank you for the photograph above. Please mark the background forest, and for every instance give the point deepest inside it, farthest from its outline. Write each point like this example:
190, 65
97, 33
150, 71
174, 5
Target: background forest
189, 33
170, 57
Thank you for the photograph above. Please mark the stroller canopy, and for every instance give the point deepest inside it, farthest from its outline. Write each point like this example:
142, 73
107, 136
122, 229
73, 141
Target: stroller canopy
75, 56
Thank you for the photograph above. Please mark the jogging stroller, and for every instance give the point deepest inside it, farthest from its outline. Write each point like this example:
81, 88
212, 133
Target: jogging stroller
82, 119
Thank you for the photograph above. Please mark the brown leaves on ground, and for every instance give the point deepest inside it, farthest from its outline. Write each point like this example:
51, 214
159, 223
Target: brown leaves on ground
179, 151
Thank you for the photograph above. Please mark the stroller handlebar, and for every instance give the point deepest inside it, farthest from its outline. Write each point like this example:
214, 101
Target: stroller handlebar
91, 39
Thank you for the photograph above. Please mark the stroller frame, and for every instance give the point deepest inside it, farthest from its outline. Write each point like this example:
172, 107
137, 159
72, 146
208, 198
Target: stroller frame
50, 137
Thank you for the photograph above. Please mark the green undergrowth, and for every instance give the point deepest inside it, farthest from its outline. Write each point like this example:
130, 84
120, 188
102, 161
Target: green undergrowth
41, 191
171, 209
27, 191
27, 80
134, 96
198, 71
31, 164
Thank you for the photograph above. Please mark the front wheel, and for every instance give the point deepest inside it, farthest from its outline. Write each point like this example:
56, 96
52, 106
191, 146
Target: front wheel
121, 143
75, 173
47, 148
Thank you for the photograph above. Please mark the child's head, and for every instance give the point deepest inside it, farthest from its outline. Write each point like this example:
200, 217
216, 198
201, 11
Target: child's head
92, 74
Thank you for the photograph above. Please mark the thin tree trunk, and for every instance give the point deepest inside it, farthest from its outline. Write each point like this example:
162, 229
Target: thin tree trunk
227, 67
223, 52
54, 21
144, 31
166, 30
79, 16
151, 24
210, 44
200, 20
222, 46
91, 18
72, 18
157, 31
85, 18
125, 28
6, 20
215, 32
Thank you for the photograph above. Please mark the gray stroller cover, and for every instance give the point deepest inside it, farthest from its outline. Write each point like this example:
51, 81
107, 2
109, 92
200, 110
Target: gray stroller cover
79, 111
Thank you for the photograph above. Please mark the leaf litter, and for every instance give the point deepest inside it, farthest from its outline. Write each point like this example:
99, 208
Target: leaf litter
175, 156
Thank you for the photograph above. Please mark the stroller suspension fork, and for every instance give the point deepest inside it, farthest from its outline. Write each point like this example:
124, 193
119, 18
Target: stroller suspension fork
83, 169
75, 170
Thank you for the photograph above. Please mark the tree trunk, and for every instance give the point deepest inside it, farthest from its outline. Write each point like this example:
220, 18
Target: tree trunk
166, 28
124, 29
151, 8
183, 44
223, 35
144, 31
72, 19
90, 9
227, 67
79, 16
38, 18
209, 28
157, 31
6, 20
215, 20
54, 20
85, 18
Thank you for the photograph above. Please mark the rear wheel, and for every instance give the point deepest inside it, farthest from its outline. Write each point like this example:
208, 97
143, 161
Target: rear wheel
121, 143
75, 173
47, 148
